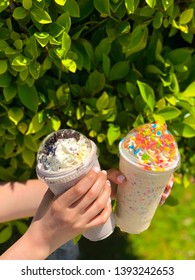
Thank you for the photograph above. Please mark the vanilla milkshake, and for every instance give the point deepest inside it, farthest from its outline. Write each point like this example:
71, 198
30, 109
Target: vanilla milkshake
64, 158
148, 157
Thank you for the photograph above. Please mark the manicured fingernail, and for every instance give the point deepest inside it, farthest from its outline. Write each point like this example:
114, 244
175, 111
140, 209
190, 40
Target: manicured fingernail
104, 171
109, 201
164, 196
108, 182
96, 169
171, 184
121, 178
161, 202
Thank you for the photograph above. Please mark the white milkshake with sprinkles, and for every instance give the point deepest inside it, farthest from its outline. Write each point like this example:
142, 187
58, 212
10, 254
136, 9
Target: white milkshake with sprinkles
148, 157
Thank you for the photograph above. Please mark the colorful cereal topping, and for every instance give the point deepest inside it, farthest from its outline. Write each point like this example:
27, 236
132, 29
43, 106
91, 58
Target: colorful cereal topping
152, 146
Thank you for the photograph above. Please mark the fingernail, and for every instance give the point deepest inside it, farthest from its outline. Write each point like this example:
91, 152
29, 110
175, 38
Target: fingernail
161, 202
171, 184
121, 178
96, 169
108, 182
109, 201
104, 171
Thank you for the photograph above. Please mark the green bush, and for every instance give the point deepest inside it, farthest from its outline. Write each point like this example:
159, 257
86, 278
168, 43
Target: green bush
100, 67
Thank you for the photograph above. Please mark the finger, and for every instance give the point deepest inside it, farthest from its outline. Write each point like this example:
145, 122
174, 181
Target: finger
164, 196
96, 189
170, 183
99, 204
80, 189
116, 176
102, 217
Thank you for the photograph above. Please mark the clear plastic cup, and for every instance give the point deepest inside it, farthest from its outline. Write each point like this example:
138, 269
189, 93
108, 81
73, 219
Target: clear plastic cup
148, 157
71, 166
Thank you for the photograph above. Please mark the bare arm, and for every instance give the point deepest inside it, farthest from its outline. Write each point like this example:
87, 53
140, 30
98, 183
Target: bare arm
59, 219
20, 199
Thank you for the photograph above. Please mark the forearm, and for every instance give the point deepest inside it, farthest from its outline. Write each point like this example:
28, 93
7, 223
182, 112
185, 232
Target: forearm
26, 248
20, 199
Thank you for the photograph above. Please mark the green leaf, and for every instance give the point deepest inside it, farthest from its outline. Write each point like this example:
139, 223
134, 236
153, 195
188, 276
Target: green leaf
3, 66
179, 56
138, 40
4, 4
22, 127
189, 91
63, 94
113, 133
29, 142
157, 20
42, 38
34, 69
184, 130
103, 101
186, 16
106, 65
40, 15
151, 3
31, 49
5, 175
166, 4
9, 93
27, 4
66, 41
189, 119
19, 13
171, 99
103, 48
132, 90
101, 137
169, 113
64, 21
5, 234
131, 6
95, 82
15, 114
21, 226
5, 80
73, 8
102, 6
60, 2
55, 122
29, 97
21, 60
70, 65
9, 148
119, 70
24, 74
28, 157
147, 94
35, 125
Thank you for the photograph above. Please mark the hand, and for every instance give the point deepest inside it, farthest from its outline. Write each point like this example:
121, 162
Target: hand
116, 178
167, 190
59, 219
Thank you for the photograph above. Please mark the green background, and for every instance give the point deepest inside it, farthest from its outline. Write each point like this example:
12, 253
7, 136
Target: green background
101, 67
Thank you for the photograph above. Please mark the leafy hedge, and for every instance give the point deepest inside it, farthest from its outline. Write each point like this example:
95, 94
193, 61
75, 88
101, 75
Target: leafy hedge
100, 67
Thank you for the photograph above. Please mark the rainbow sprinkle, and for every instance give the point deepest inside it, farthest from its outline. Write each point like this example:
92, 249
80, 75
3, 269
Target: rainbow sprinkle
152, 145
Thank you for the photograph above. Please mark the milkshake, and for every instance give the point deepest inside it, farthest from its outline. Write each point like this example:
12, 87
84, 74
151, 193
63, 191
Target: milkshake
63, 159
148, 157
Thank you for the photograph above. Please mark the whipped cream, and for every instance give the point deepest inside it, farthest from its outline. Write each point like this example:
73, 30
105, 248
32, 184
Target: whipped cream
151, 146
64, 149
